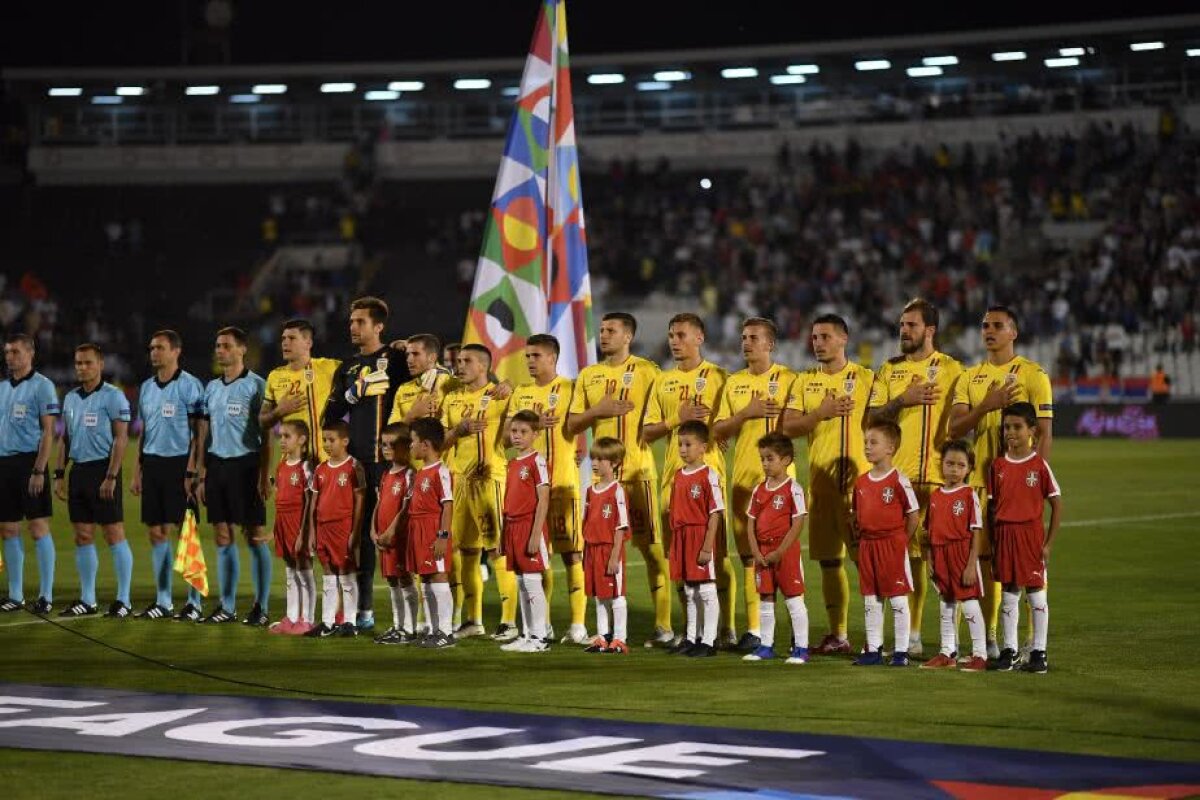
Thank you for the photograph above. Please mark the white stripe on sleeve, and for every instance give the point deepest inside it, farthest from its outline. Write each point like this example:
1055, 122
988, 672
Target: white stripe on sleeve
799, 508
718, 498
622, 507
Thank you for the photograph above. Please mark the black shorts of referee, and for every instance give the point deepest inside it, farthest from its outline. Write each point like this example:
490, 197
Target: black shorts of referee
16, 503
84, 503
231, 490
164, 500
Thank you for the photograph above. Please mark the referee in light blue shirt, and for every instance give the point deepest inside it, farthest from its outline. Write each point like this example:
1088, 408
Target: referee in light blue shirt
95, 432
169, 403
28, 406
233, 475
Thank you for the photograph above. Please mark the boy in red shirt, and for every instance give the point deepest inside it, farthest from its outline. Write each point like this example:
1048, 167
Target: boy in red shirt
430, 509
1020, 485
955, 526
696, 512
523, 536
773, 523
883, 525
605, 529
338, 483
389, 532
293, 478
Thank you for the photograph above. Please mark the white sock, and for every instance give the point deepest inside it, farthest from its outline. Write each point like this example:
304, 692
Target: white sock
349, 584
973, 614
431, 607
329, 600
949, 626
308, 595
534, 592
691, 604
291, 583
445, 607
602, 607
523, 612
1010, 605
799, 614
1040, 609
708, 600
902, 620
412, 604
620, 619
397, 595
873, 620
766, 621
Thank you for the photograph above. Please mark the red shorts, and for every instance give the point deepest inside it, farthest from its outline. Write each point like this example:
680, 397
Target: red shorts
393, 560
596, 580
1017, 554
422, 534
948, 562
514, 538
686, 543
883, 567
786, 576
287, 531
333, 546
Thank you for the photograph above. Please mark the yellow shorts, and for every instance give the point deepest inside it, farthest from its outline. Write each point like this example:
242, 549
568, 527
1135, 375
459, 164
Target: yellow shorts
564, 521
478, 505
922, 491
739, 502
828, 526
644, 512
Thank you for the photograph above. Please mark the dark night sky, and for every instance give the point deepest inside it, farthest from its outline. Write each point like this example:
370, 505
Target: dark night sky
148, 32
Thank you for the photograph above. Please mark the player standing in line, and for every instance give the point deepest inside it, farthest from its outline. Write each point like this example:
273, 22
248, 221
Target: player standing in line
474, 420
775, 516
523, 539
293, 482
751, 407
549, 397
389, 531
884, 524
915, 390
339, 486
234, 475
169, 403
611, 398
982, 391
954, 522
1020, 484
697, 509
424, 394
827, 405
605, 523
95, 433
300, 388
691, 391
430, 511
28, 406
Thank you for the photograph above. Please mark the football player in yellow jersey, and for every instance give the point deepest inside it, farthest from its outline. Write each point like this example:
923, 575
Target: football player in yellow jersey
474, 421
915, 390
691, 391
751, 407
549, 396
827, 404
300, 388
424, 395
982, 391
611, 398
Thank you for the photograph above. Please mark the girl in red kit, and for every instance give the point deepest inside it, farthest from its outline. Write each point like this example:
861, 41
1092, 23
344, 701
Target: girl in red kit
605, 529
523, 538
339, 484
1020, 485
293, 477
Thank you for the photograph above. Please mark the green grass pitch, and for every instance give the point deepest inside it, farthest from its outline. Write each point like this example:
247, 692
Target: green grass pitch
1125, 656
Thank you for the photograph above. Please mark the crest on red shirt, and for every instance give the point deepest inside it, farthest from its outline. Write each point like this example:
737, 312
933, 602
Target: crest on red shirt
424, 484
889, 494
777, 503
396, 487
695, 492
343, 479
606, 511
295, 479
959, 508
1031, 478
524, 473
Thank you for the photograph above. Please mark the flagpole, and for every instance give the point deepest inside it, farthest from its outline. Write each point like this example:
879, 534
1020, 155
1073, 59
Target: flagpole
551, 171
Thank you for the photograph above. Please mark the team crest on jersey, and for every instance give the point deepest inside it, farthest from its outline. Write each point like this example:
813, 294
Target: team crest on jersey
777, 503
425, 484
701, 382
772, 388
1010, 378
343, 479
484, 401
889, 494
1031, 478
606, 511
396, 488
932, 373
627, 379
848, 384
309, 375
295, 479
959, 508
695, 492
524, 473
552, 400
381, 364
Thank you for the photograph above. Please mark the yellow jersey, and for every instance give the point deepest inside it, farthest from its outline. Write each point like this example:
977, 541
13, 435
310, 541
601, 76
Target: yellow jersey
313, 382
555, 447
475, 449
923, 428
437, 381
1033, 386
634, 381
740, 389
835, 446
675, 387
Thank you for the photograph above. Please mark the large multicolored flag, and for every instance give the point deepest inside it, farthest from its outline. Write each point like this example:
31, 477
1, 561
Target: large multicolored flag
189, 555
532, 274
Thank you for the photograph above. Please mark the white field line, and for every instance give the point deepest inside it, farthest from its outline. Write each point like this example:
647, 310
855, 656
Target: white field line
1087, 523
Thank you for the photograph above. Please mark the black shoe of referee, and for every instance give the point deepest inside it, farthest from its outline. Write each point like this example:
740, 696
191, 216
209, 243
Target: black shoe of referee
189, 613
118, 610
8, 605
257, 618
153, 611
42, 606
218, 617
79, 609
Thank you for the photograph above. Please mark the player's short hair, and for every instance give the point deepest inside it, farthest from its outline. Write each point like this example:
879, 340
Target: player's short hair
529, 418
398, 429
21, 338
779, 444
927, 310
694, 427
338, 426
90, 347
544, 340
236, 333
1024, 410
429, 429
299, 324
889, 429
452, 346
764, 323
608, 448
834, 320
473, 347
172, 337
428, 341
687, 318
1008, 312
625, 319
376, 309
959, 446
